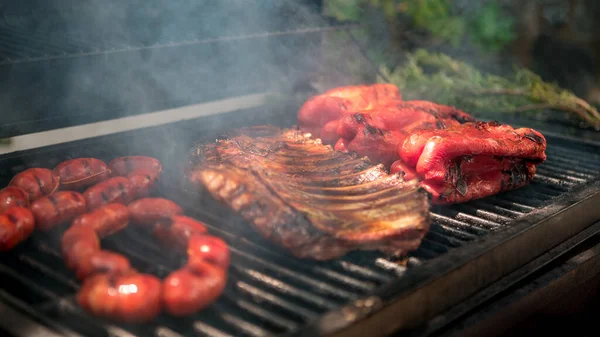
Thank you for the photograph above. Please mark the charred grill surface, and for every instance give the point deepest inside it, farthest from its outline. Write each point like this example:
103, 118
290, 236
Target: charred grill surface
314, 201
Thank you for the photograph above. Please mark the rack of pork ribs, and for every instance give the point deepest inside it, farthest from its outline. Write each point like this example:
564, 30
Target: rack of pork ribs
455, 157
304, 196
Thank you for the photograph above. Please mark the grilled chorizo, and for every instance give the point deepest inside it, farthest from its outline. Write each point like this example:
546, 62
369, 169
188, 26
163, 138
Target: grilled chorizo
13, 196
81, 172
105, 220
128, 297
209, 249
79, 244
16, 224
186, 292
113, 190
124, 165
148, 211
36, 182
143, 181
101, 261
177, 230
58, 208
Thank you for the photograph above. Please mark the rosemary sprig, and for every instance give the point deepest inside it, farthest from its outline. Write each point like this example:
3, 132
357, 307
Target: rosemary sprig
440, 78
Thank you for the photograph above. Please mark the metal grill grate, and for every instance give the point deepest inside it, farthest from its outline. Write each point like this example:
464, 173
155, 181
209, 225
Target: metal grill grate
269, 293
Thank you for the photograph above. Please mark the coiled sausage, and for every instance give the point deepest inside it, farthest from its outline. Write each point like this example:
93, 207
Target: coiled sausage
13, 196
16, 224
177, 230
101, 261
148, 211
143, 181
36, 182
81, 172
58, 208
128, 297
105, 220
207, 249
202, 280
186, 291
113, 190
124, 165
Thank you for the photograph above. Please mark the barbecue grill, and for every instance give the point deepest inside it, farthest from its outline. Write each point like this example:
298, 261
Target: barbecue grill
269, 292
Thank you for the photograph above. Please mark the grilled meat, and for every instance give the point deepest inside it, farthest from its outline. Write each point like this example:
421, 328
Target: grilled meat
457, 158
302, 195
473, 160
322, 111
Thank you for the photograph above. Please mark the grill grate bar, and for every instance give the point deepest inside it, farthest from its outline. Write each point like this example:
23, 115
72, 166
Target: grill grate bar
273, 318
424, 254
485, 214
521, 200
33, 288
500, 210
546, 188
462, 236
266, 297
460, 225
433, 246
551, 180
569, 168
248, 329
444, 240
43, 268
364, 271
473, 219
573, 153
166, 332
581, 166
531, 192
208, 330
510, 204
391, 266
547, 171
317, 285
286, 288
587, 159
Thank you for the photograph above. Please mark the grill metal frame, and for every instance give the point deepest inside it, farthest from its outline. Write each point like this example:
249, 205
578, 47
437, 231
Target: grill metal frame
467, 248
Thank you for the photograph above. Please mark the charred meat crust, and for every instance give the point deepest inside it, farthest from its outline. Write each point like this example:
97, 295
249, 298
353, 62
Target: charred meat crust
302, 195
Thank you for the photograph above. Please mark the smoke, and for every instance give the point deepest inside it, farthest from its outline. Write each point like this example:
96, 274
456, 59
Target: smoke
109, 59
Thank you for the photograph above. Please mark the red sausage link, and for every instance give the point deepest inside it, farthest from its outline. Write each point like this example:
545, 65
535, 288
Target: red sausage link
11, 197
186, 292
81, 172
207, 249
131, 297
16, 224
177, 230
143, 181
79, 244
105, 220
58, 208
148, 211
124, 165
114, 190
37, 182
102, 261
